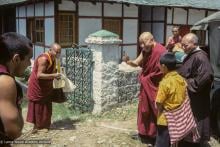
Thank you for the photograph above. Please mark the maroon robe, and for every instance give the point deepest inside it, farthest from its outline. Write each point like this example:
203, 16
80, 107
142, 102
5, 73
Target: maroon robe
149, 80
38, 93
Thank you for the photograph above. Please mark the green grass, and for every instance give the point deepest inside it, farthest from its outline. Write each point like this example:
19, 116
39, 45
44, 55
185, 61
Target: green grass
61, 111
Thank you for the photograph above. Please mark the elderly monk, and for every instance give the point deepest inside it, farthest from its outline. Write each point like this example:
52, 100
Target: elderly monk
197, 71
149, 78
40, 89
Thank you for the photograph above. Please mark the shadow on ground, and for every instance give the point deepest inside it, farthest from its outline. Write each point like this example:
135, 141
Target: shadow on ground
65, 124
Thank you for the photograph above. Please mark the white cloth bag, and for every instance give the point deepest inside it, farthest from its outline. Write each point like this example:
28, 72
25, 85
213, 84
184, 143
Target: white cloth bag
64, 83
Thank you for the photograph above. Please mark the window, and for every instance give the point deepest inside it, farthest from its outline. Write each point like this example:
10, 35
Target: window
66, 28
30, 29
201, 36
39, 24
113, 25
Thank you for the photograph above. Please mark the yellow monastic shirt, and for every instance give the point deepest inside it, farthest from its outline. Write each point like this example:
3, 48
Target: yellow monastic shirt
171, 94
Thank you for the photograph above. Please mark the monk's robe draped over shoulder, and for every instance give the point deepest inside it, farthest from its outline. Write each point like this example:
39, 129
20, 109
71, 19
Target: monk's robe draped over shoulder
149, 79
39, 95
39, 89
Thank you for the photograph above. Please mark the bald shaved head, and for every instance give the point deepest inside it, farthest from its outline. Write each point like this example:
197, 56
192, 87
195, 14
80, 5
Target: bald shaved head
146, 36
146, 41
191, 37
55, 46
189, 42
55, 49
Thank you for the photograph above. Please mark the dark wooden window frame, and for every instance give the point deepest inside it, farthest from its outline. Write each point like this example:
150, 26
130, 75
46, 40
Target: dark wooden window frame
59, 29
39, 31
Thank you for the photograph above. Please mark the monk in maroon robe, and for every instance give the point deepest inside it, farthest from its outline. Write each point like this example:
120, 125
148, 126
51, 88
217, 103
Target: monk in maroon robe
149, 79
15, 54
40, 89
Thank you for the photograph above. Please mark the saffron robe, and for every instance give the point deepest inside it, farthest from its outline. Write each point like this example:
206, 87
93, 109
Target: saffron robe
39, 95
149, 79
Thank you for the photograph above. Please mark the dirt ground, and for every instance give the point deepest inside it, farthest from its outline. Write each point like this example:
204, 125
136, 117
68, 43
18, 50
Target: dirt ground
111, 131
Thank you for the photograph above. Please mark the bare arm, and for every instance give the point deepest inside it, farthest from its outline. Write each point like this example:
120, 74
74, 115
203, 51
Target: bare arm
10, 115
42, 67
137, 61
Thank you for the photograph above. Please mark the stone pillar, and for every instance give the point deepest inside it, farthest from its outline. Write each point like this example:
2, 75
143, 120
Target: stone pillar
106, 56
111, 86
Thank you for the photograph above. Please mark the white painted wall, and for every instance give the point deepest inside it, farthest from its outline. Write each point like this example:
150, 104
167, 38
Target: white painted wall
67, 5
22, 12
158, 32
38, 50
169, 31
39, 9
22, 26
195, 15
159, 13
180, 16
130, 11
131, 51
169, 15
130, 31
88, 26
49, 33
30, 10
49, 8
89, 9
113, 10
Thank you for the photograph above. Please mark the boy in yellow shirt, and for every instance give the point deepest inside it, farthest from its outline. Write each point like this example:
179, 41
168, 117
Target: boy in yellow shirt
170, 95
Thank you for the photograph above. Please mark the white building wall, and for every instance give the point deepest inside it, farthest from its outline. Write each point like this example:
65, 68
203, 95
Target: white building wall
195, 15
130, 31
89, 9
67, 5
131, 50
30, 10
158, 32
130, 11
169, 31
180, 16
49, 33
112, 10
130, 36
169, 15
22, 11
49, 6
22, 26
88, 26
39, 9
38, 50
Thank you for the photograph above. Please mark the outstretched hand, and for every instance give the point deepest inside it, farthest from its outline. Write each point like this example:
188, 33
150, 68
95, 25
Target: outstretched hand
125, 58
